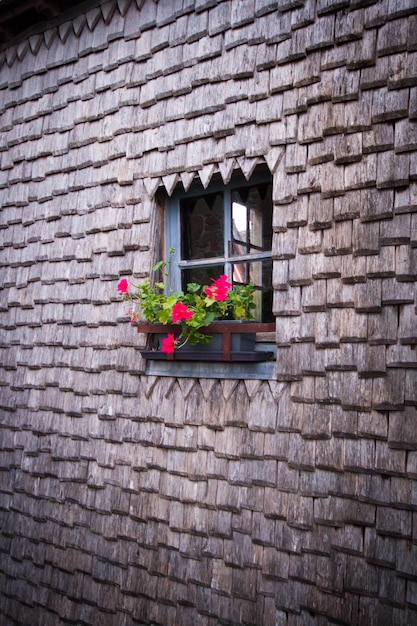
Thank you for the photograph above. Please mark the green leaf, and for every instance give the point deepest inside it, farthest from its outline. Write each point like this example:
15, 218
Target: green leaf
193, 287
164, 316
169, 302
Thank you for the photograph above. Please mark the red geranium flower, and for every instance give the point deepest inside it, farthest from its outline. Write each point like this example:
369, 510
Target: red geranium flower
220, 288
123, 286
180, 312
168, 344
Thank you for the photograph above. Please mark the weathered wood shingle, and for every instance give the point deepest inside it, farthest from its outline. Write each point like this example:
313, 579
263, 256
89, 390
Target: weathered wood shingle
145, 499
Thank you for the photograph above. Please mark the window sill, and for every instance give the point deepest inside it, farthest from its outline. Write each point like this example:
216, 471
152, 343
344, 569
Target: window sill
200, 355
265, 370
258, 363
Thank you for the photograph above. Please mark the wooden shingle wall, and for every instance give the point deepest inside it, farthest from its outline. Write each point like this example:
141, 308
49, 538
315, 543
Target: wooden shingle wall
130, 499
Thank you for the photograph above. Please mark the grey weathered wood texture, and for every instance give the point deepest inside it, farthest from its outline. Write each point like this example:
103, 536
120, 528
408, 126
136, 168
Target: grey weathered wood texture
131, 499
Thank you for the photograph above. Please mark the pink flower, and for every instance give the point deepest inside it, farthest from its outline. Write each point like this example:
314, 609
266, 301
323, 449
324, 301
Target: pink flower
123, 286
219, 290
180, 312
168, 344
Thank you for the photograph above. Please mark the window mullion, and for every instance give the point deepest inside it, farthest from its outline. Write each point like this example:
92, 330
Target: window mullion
172, 241
227, 235
241, 258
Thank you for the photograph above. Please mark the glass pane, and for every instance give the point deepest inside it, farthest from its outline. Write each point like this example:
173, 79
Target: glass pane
251, 219
201, 275
260, 274
202, 226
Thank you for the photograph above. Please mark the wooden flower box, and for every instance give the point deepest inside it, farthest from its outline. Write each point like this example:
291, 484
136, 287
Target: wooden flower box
232, 341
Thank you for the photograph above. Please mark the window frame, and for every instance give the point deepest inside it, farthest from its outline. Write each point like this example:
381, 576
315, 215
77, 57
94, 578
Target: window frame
172, 227
238, 370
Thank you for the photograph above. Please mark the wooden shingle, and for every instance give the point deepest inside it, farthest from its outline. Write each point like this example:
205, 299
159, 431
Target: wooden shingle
256, 501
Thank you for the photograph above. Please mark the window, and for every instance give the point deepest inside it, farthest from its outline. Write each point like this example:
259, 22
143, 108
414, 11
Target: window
224, 230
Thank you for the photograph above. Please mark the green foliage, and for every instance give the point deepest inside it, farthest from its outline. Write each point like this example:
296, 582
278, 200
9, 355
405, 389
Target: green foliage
193, 309
241, 304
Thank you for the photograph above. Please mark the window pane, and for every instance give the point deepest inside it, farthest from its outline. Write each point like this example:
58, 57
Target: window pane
202, 226
201, 275
251, 219
260, 274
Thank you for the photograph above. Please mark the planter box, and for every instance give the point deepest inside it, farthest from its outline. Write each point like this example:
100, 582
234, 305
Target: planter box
239, 342
231, 341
